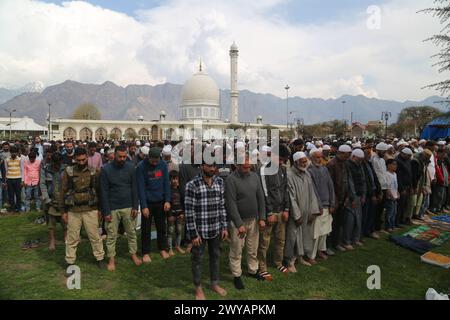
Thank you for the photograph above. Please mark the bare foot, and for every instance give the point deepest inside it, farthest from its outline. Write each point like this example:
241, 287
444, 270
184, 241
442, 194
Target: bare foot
146, 258
189, 248
171, 253
219, 290
322, 255
180, 250
52, 245
136, 260
305, 263
199, 294
164, 254
111, 265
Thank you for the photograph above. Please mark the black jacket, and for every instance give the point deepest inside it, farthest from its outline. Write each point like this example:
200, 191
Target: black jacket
275, 189
404, 174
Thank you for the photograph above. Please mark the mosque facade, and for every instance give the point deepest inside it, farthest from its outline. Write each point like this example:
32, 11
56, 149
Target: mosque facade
199, 110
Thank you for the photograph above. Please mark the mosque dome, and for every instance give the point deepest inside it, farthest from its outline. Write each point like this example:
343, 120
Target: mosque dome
200, 97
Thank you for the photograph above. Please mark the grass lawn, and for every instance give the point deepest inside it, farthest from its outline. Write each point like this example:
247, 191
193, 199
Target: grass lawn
38, 273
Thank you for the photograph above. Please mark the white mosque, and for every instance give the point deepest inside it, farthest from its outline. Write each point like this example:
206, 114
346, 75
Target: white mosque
200, 106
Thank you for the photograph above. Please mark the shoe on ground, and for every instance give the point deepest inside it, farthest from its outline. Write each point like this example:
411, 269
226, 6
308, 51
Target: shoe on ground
26, 245
359, 243
257, 276
283, 269
322, 255
238, 284
341, 248
102, 264
330, 252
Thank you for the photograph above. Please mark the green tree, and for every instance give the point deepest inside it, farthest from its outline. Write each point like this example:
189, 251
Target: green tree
414, 119
441, 10
86, 111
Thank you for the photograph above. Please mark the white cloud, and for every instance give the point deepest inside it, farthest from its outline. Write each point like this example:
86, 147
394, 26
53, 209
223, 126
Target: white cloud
82, 42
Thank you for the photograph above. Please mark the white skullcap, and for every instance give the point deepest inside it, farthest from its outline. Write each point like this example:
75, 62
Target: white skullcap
106, 145
315, 150
381, 146
326, 147
356, 145
348, 142
138, 143
319, 143
110, 151
421, 141
266, 149
299, 155
240, 145
147, 144
358, 153
407, 151
47, 144
390, 146
145, 150
345, 148
441, 143
414, 140
102, 151
334, 140
310, 146
402, 143
167, 150
395, 139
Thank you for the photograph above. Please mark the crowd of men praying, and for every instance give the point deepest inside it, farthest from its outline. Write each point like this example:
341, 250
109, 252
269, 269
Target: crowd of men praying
314, 198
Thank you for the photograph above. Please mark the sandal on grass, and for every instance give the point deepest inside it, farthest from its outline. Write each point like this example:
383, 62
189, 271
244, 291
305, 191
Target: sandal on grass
267, 276
26, 245
283, 269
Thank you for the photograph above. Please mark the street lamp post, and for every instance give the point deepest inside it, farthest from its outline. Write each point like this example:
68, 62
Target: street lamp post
49, 122
287, 105
385, 115
10, 121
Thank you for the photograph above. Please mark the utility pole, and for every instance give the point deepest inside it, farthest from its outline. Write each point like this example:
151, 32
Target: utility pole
49, 122
287, 105
10, 121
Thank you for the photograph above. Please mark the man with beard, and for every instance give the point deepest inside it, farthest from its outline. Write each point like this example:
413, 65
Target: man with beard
379, 165
325, 193
206, 223
338, 173
95, 158
50, 184
277, 207
356, 199
304, 206
119, 203
246, 208
154, 195
404, 176
68, 154
80, 206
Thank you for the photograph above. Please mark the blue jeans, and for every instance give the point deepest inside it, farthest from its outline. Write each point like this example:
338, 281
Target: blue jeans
32, 192
391, 213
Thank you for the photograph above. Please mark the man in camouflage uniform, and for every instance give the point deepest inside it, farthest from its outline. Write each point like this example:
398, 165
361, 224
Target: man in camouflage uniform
50, 184
80, 206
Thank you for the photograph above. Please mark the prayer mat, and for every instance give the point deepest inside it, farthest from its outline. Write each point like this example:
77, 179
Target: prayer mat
436, 259
408, 242
431, 235
442, 218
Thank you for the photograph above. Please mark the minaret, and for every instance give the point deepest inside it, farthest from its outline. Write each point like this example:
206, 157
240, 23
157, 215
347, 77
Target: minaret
234, 93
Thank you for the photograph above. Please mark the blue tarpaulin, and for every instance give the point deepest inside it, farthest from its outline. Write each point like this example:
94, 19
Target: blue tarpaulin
439, 128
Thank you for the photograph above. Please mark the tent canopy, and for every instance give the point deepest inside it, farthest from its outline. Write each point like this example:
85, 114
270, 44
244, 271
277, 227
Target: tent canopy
439, 128
24, 124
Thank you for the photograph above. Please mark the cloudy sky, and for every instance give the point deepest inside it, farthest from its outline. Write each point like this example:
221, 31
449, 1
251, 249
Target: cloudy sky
323, 48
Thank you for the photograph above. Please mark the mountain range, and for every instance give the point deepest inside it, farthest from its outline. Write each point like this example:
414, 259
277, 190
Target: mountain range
128, 103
